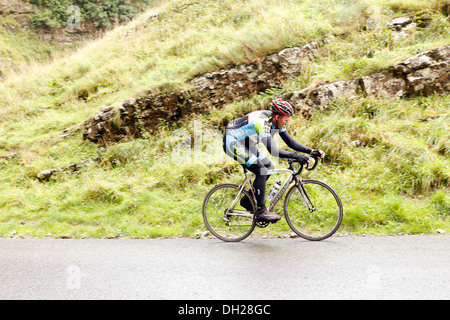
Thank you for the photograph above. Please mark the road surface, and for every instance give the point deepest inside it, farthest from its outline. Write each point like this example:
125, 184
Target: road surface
391, 267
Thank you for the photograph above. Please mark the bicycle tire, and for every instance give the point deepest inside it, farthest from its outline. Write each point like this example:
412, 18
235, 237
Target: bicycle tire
320, 224
216, 202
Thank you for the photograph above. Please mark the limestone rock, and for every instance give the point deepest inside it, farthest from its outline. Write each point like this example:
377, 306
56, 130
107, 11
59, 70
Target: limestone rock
424, 74
15, 7
211, 90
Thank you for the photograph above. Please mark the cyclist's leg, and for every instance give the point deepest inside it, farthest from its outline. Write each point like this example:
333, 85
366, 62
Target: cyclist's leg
255, 161
236, 150
249, 159
260, 165
260, 168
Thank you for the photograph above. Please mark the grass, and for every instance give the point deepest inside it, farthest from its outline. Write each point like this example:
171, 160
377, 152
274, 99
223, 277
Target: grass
20, 48
394, 165
394, 180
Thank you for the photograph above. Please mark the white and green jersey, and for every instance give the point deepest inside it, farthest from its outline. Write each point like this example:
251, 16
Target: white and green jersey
254, 126
243, 134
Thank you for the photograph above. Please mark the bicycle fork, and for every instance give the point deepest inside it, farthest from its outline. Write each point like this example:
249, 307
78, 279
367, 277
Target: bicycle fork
305, 196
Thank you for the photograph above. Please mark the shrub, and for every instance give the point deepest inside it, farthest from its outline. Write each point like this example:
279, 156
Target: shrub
103, 13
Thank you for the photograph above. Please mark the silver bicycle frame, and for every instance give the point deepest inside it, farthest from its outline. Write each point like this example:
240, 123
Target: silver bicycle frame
248, 176
247, 180
281, 192
283, 188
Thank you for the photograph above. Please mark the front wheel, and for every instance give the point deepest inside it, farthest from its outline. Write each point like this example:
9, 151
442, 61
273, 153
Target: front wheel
223, 215
313, 210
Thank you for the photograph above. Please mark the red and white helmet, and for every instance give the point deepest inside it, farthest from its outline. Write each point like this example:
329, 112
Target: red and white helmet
282, 107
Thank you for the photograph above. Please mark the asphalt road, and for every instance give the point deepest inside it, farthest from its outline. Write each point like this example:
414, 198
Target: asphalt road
392, 267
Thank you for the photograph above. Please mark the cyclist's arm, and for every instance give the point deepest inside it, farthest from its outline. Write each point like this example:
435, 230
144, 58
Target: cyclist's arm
297, 146
275, 151
262, 128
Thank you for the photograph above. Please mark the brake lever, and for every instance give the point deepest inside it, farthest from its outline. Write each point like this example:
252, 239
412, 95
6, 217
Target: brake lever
314, 166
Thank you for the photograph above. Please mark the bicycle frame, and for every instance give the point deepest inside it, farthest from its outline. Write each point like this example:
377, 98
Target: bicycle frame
281, 192
284, 186
247, 180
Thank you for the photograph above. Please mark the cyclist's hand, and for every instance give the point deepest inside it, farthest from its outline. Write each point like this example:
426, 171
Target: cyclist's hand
303, 159
316, 153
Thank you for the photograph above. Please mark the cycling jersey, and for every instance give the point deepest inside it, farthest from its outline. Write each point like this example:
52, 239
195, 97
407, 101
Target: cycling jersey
254, 126
243, 134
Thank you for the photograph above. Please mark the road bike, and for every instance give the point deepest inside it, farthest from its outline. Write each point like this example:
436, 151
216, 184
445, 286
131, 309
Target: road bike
312, 209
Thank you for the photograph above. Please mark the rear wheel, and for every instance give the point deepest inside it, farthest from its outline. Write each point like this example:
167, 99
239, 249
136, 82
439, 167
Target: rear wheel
225, 222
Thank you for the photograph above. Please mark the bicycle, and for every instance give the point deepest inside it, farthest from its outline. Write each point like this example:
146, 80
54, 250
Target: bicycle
312, 209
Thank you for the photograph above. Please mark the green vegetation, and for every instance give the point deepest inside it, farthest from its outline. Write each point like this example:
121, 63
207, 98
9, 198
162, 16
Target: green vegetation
394, 180
19, 48
103, 13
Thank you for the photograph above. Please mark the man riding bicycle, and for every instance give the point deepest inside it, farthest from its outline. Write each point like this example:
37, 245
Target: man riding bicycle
240, 142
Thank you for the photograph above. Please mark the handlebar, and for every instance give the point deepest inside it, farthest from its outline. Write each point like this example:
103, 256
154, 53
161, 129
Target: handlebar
300, 169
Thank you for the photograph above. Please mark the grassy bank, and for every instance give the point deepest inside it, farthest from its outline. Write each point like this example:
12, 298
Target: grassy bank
395, 180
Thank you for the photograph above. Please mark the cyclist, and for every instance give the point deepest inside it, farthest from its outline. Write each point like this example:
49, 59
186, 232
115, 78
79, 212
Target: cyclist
240, 142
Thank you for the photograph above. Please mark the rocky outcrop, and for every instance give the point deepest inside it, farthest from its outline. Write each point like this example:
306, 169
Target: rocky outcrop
85, 31
424, 74
210, 90
221, 87
47, 174
421, 75
15, 7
